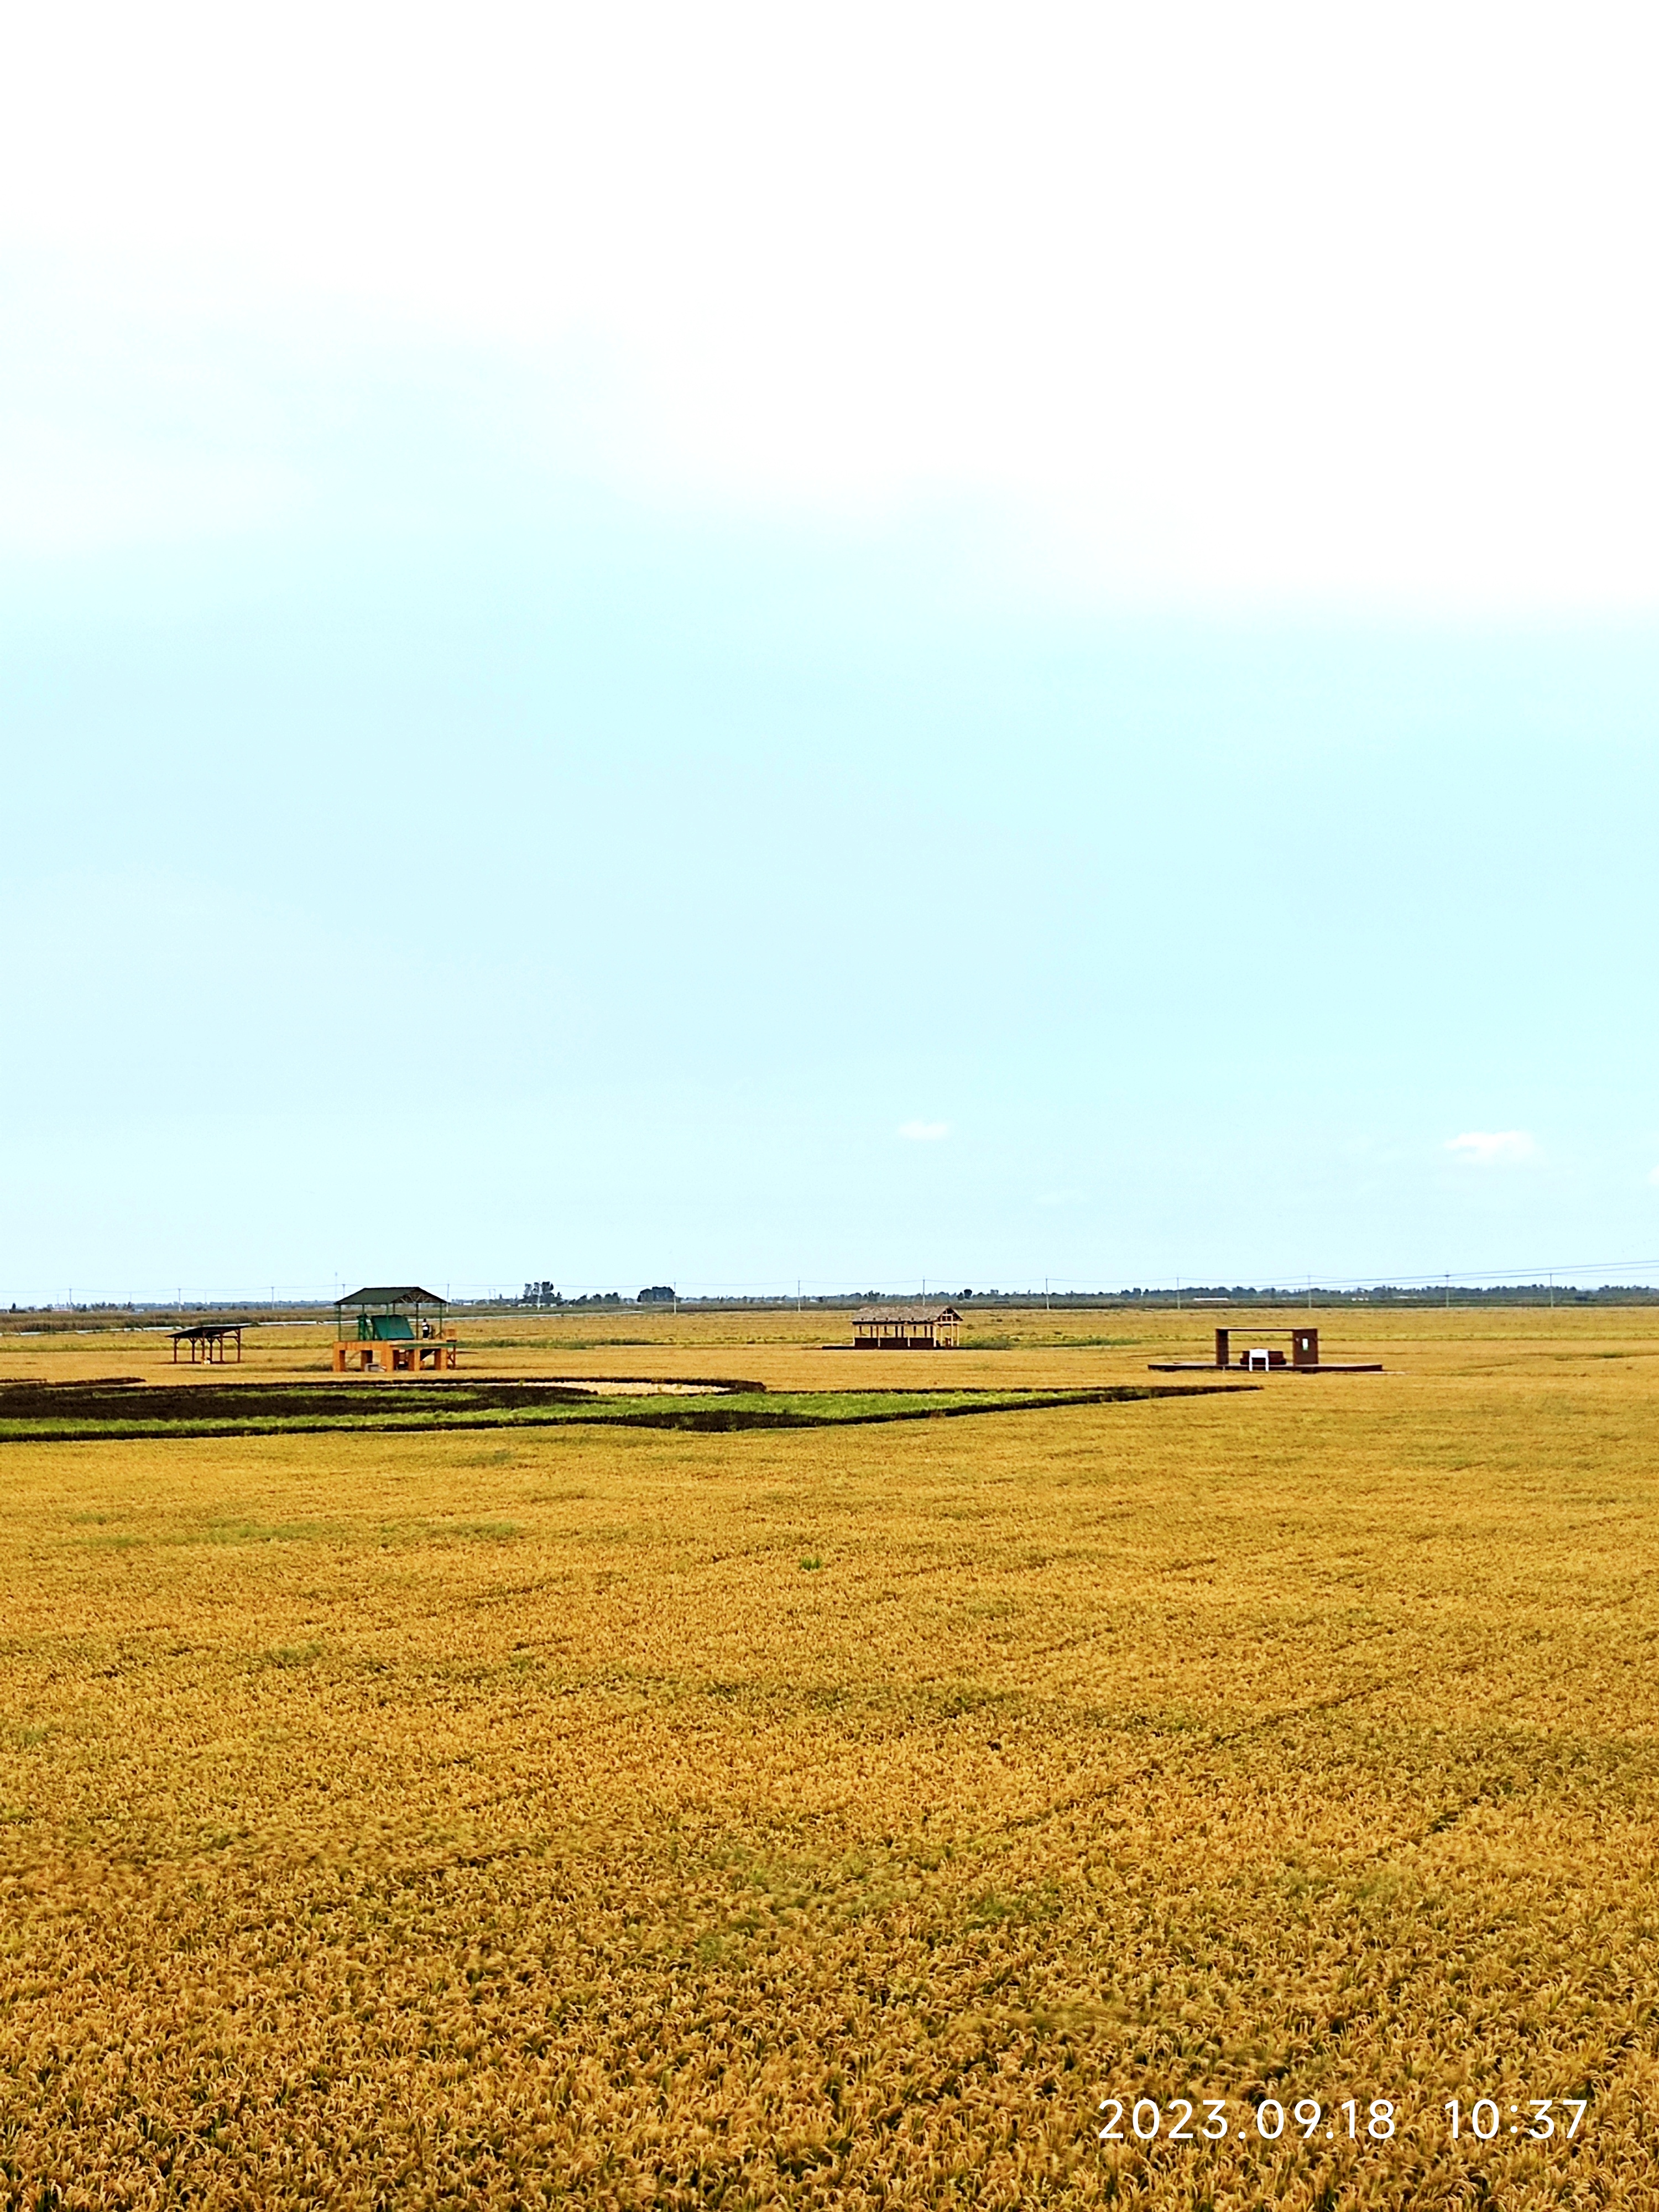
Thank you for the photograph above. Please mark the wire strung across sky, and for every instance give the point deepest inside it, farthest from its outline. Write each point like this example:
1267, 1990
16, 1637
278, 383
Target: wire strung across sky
1606, 1274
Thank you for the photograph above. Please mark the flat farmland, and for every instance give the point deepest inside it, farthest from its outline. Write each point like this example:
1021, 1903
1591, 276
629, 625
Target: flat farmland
839, 1815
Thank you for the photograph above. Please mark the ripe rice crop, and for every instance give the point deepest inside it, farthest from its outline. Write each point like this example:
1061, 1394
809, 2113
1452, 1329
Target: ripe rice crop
837, 1815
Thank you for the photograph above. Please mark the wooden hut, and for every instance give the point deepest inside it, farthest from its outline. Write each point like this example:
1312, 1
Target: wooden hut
906, 1328
399, 1330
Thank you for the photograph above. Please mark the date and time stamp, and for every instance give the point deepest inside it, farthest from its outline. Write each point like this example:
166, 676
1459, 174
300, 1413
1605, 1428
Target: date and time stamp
1193, 2122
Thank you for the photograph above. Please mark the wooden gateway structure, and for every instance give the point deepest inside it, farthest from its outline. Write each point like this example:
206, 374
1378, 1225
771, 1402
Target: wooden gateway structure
393, 1328
1265, 1359
906, 1328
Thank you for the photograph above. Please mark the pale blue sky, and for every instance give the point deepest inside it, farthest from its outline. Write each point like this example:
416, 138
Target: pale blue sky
511, 774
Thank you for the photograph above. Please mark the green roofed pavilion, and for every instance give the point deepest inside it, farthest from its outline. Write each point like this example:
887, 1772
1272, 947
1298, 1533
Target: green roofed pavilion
386, 1297
394, 1314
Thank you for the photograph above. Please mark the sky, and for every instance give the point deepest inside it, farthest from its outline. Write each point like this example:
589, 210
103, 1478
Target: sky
861, 647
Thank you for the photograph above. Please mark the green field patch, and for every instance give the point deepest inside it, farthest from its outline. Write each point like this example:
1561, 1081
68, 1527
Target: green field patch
260, 1532
285, 1657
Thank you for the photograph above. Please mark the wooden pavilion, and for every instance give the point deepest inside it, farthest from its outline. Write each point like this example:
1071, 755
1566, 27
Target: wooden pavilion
206, 1340
393, 1328
906, 1328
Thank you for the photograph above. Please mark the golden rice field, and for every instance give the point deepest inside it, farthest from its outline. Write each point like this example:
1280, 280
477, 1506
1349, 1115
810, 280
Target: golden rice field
837, 1817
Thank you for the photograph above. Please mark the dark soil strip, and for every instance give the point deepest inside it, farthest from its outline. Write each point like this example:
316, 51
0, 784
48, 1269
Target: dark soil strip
715, 1420
116, 1398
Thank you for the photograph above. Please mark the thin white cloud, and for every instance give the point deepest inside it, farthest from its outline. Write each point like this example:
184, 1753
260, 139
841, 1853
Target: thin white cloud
1654, 1177
1493, 1148
926, 1132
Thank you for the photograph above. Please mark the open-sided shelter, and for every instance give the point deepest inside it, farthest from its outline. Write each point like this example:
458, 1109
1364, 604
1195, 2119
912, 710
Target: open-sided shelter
393, 1328
207, 1339
906, 1328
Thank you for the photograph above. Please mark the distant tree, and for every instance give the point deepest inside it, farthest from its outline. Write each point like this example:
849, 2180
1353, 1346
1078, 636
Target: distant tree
659, 1294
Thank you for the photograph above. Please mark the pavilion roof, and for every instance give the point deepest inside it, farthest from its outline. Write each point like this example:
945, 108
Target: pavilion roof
392, 1294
